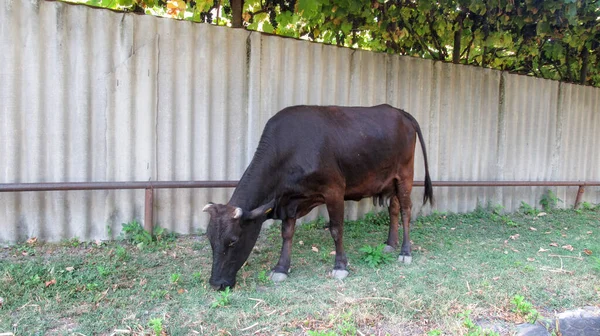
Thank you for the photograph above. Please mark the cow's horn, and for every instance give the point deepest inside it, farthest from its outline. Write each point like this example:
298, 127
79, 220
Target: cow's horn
207, 207
238, 213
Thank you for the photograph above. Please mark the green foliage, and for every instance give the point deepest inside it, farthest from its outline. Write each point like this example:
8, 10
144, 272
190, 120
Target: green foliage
263, 277
472, 328
377, 218
26, 249
121, 253
156, 325
345, 324
197, 277
549, 201
223, 298
92, 286
33, 280
321, 333
103, 271
524, 308
374, 256
587, 206
549, 39
175, 277
159, 293
434, 332
528, 209
73, 242
134, 233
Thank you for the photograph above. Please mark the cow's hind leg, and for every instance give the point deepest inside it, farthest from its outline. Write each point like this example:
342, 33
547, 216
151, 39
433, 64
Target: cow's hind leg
335, 209
280, 271
394, 210
404, 189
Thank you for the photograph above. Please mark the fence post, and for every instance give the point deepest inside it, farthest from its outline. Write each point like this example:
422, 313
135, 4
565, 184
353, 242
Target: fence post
148, 210
580, 192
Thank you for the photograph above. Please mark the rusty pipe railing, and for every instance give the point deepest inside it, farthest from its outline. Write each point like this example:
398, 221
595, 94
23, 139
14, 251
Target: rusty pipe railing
149, 187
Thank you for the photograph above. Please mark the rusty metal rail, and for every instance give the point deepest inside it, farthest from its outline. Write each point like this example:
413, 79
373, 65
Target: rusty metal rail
149, 187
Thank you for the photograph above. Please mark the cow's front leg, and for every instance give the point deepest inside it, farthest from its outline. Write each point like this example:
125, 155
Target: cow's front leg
280, 271
336, 228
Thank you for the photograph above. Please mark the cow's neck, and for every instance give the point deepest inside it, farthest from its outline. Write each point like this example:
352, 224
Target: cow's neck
256, 187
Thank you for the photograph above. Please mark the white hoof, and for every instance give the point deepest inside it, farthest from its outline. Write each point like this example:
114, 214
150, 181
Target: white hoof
405, 259
277, 277
339, 274
388, 249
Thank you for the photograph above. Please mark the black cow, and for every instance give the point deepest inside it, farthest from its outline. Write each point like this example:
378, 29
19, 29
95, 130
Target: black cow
313, 155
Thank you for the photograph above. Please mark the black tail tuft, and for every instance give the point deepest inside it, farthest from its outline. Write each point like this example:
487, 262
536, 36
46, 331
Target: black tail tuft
428, 195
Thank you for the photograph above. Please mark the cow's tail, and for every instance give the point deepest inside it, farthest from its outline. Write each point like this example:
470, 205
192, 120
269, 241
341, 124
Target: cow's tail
428, 195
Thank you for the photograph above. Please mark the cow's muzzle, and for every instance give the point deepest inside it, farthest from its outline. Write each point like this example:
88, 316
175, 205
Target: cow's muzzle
222, 284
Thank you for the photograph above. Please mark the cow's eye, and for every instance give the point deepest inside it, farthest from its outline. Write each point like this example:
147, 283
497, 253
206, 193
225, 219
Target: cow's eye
232, 242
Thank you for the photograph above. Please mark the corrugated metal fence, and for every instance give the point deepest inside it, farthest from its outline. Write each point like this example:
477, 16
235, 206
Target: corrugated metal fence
93, 95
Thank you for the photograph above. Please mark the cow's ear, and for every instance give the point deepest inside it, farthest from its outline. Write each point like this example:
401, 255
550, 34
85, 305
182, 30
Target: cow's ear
261, 211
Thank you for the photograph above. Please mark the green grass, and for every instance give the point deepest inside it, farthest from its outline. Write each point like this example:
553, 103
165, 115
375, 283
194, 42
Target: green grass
477, 262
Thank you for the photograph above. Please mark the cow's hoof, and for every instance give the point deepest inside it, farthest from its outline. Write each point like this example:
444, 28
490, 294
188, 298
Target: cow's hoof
339, 274
388, 249
405, 259
277, 277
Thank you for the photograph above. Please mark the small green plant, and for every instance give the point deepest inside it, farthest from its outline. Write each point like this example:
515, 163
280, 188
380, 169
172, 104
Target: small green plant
549, 201
497, 209
528, 209
375, 256
157, 326
508, 221
33, 281
175, 277
159, 293
524, 308
92, 286
346, 324
324, 256
377, 218
161, 235
26, 250
434, 332
197, 276
134, 233
103, 271
121, 253
74, 242
263, 277
587, 206
472, 328
321, 333
223, 298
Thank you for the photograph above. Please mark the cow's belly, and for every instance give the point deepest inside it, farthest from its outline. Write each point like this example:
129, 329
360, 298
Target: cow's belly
369, 188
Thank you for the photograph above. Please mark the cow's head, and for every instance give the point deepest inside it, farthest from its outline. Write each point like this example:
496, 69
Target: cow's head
232, 233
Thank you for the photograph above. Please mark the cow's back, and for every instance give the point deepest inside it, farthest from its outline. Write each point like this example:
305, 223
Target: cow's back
361, 147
